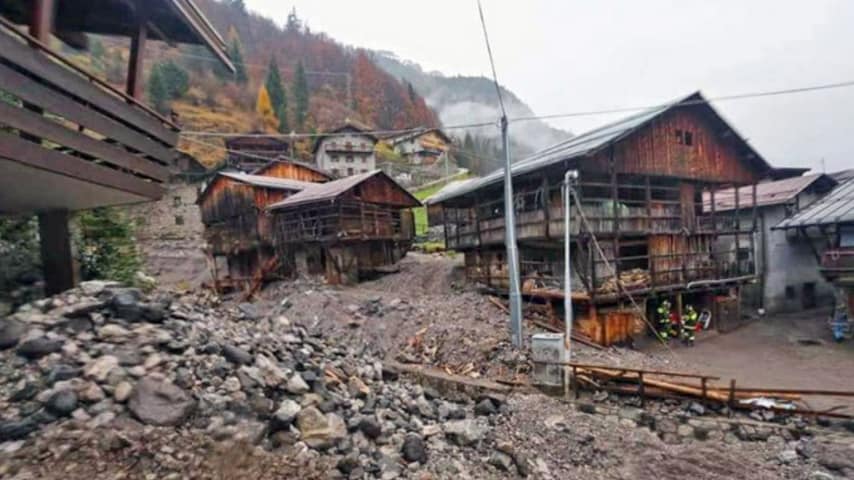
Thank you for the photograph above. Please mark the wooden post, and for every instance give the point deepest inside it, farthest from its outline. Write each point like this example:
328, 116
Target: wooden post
137, 52
641, 389
547, 206
57, 257
41, 24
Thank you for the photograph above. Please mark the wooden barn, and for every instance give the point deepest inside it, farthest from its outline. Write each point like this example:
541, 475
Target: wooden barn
641, 186
237, 231
254, 150
345, 229
284, 167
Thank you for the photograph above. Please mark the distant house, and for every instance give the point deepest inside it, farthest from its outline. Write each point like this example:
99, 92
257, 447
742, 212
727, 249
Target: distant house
787, 266
423, 147
830, 222
250, 152
346, 151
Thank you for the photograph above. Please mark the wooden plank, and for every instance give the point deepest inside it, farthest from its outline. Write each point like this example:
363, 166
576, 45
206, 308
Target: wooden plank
54, 102
39, 65
34, 155
41, 127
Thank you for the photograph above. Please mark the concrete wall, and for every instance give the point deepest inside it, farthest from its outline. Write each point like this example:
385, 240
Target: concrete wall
785, 261
333, 157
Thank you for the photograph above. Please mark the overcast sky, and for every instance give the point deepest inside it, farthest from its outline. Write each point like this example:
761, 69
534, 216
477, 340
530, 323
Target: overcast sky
571, 55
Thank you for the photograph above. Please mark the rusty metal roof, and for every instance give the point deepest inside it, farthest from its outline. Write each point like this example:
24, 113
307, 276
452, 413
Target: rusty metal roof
268, 182
318, 192
589, 143
767, 193
836, 207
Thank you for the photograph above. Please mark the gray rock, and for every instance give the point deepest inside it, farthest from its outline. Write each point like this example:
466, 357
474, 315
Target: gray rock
296, 385
819, 475
17, 429
248, 311
501, 461
414, 449
371, 427
236, 355
62, 403
126, 305
787, 456
38, 347
348, 464
285, 415
27, 392
11, 332
485, 408
159, 403
464, 432
697, 409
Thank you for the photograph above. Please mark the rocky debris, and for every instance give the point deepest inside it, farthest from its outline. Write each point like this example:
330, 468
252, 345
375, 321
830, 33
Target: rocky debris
101, 355
10, 333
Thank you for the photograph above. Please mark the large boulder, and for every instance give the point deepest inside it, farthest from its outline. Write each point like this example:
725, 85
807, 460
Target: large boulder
159, 403
465, 432
38, 347
11, 332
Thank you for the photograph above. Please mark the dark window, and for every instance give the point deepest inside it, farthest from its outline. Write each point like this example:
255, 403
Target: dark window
679, 138
790, 292
684, 137
349, 159
176, 201
336, 172
179, 220
689, 138
349, 171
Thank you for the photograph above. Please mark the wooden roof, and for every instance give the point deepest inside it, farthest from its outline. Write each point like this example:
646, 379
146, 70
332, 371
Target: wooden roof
323, 192
174, 21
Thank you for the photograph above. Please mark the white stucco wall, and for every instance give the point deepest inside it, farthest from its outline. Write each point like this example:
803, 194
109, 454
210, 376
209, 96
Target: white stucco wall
333, 156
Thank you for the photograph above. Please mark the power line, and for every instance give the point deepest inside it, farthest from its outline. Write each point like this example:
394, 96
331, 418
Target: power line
331, 134
723, 98
588, 113
491, 60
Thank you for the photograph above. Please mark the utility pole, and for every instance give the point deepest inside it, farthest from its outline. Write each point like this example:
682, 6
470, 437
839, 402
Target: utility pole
568, 178
510, 238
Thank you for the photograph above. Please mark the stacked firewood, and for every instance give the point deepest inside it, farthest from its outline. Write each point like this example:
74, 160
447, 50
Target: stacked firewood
634, 279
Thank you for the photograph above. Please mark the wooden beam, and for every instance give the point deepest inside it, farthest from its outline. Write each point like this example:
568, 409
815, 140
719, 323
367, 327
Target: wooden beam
56, 253
41, 24
138, 40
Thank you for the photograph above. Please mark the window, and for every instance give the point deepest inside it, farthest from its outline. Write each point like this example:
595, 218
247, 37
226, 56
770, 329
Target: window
790, 292
349, 171
336, 172
846, 236
179, 220
176, 201
349, 159
364, 159
684, 137
334, 158
364, 171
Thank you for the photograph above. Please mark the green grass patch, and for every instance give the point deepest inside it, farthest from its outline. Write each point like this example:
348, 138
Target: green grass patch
420, 213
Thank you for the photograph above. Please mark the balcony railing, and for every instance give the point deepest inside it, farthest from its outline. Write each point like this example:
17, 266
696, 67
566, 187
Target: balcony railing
62, 120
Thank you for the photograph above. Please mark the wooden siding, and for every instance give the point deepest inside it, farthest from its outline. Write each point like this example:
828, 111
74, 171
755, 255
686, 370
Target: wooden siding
655, 150
381, 190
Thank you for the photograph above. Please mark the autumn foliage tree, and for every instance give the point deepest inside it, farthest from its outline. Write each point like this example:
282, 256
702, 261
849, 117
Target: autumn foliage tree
264, 109
278, 95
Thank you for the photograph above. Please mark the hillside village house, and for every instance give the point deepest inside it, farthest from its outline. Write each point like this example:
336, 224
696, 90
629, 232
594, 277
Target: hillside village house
110, 148
247, 153
830, 222
641, 186
423, 147
787, 267
346, 151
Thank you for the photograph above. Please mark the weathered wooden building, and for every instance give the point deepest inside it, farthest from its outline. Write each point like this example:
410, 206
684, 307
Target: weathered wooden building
238, 233
70, 140
422, 147
250, 152
640, 188
346, 228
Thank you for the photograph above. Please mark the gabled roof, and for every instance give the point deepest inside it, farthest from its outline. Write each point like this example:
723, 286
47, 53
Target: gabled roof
595, 140
767, 193
271, 183
318, 192
395, 139
348, 127
281, 159
836, 207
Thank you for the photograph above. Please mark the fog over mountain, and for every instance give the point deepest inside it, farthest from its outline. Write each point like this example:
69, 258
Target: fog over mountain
464, 100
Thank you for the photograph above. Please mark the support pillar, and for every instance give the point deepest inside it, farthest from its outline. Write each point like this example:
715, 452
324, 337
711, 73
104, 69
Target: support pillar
135, 81
56, 252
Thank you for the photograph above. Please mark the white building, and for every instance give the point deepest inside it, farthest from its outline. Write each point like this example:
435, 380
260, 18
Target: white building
346, 151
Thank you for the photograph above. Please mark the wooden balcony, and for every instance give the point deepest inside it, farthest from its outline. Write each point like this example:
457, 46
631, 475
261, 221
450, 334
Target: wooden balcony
344, 221
68, 140
837, 264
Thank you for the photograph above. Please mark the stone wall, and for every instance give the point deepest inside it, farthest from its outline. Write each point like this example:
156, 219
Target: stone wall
170, 236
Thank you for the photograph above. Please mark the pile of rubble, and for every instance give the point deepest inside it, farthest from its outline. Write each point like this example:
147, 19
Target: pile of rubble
106, 357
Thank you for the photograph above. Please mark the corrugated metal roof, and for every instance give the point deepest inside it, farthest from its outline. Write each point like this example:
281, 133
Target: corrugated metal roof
578, 146
268, 182
318, 192
767, 193
835, 207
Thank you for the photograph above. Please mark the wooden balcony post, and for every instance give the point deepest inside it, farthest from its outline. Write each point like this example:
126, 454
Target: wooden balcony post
137, 52
41, 24
56, 253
